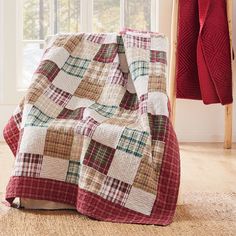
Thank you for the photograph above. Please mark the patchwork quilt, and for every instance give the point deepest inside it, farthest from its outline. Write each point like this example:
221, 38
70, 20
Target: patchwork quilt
93, 129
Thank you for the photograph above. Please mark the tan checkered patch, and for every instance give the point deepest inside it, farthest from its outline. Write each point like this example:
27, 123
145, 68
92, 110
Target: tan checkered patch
90, 179
147, 175
90, 89
40, 83
157, 83
77, 147
58, 143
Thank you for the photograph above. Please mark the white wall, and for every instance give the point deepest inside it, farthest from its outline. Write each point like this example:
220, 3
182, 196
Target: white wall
194, 121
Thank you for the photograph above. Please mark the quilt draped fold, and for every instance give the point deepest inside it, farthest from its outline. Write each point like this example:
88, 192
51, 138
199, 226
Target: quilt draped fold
203, 52
93, 129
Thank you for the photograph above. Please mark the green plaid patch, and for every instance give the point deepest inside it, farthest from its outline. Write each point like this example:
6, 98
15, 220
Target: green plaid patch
133, 141
76, 66
37, 118
120, 42
139, 68
73, 172
107, 111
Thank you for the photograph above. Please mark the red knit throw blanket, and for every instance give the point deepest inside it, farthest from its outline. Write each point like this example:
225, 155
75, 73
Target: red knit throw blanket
203, 52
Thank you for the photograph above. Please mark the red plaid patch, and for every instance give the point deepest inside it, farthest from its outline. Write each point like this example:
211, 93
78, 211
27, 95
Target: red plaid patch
115, 190
130, 101
28, 164
158, 56
76, 114
57, 95
96, 38
106, 53
99, 156
48, 69
86, 127
137, 41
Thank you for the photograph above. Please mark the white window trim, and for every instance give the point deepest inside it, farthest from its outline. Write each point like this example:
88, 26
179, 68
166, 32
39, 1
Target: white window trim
11, 41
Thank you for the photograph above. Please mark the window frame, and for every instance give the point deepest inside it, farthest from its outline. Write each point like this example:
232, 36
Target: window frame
12, 10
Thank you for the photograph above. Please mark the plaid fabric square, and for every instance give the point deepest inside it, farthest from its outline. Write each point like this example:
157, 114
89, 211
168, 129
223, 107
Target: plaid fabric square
158, 126
89, 88
133, 141
37, 118
157, 153
76, 66
72, 175
48, 106
106, 53
117, 77
137, 41
158, 56
157, 69
96, 38
130, 101
36, 89
139, 68
28, 164
98, 71
104, 110
79, 143
120, 42
67, 125
147, 176
99, 156
123, 116
58, 143
76, 114
72, 42
86, 49
86, 126
157, 84
48, 69
112, 94
57, 95
115, 190
90, 179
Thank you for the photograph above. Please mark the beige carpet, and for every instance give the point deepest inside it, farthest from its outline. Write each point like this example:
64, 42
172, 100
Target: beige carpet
203, 214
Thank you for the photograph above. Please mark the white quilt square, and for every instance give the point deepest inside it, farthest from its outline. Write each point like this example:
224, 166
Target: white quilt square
140, 201
33, 140
158, 103
124, 166
66, 82
77, 102
54, 168
96, 116
108, 134
59, 55
159, 43
141, 85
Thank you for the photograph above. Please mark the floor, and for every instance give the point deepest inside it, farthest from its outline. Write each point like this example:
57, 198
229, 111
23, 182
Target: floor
205, 167
208, 190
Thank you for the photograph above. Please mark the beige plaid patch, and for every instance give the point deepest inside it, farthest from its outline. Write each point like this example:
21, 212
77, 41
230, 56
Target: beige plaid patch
86, 49
147, 175
157, 153
69, 42
157, 69
123, 116
90, 89
40, 83
77, 147
157, 83
58, 143
90, 179
112, 95
139, 54
98, 70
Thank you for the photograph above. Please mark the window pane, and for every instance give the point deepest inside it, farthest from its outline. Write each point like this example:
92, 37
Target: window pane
32, 53
67, 16
35, 19
106, 15
138, 14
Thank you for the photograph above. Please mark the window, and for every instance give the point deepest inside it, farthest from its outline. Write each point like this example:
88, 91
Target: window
26, 23
47, 17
